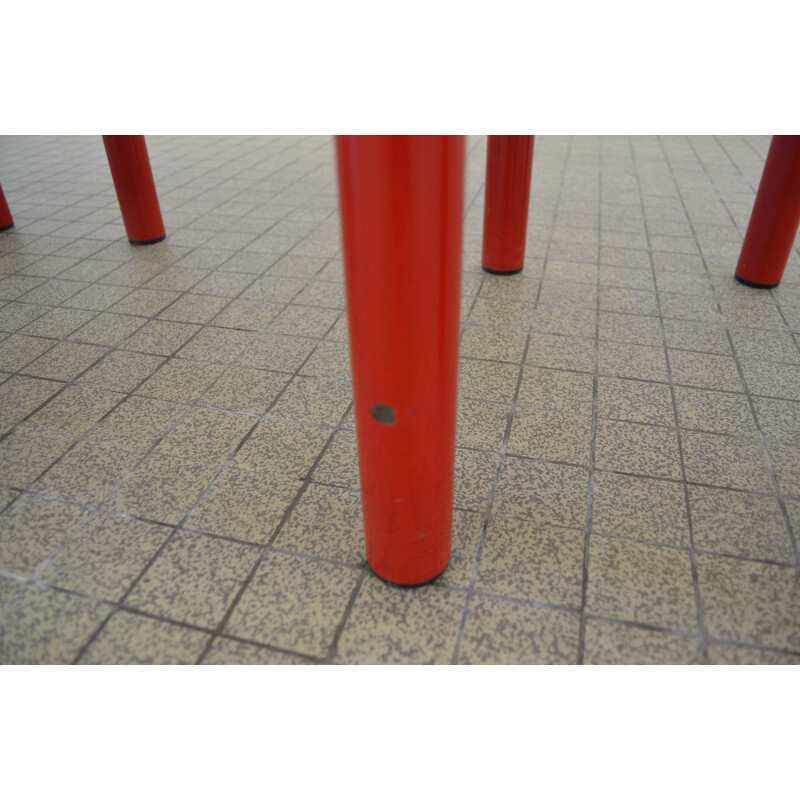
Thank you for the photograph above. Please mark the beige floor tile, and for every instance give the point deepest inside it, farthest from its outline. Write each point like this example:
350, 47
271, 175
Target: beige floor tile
181, 380
98, 297
135, 639
635, 401
506, 632
279, 353
330, 360
704, 371
641, 583
161, 338
628, 301
6, 496
635, 361
121, 371
195, 308
559, 293
714, 412
739, 524
250, 391
542, 492
640, 508
685, 335
685, 307
614, 643
339, 464
643, 449
565, 321
58, 323
495, 344
45, 626
65, 361
501, 314
765, 345
194, 579
282, 447
474, 479
786, 463
753, 315
556, 390
314, 400
75, 410
219, 345
630, 328
487, 380
105, 556
327, 522
293, 603
162, 489
730, 654
551, 436
20, 396
561, 352
725, 461
396, 625
773, 380
108, 329
18, 351
244, 505
480, 425
8, 588
26, 453
304, 321
144, 302
252, 315
138, 423
466, 536
229, 651
750, 602
778, 419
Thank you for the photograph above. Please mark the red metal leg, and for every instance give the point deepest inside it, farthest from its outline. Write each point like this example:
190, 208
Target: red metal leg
402, 203
6, 220
509, 162
775, 218
136, 190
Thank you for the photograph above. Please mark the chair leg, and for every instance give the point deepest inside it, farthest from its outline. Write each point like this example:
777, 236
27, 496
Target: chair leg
136, 190
6, 220
509, 163
775, 217
402, 206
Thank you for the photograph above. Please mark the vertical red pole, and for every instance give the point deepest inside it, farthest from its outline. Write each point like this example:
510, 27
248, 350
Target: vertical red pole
775, 217
402, 206
6, 220
136, 190
509, 163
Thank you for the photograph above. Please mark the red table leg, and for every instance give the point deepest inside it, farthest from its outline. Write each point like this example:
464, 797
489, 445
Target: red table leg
136, 190
402, 204
509, 162
775, 218
6, 220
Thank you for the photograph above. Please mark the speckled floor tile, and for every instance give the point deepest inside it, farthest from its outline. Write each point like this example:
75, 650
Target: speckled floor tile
160, 337
682, 306
108, 329
314, 400
135, 639
501, 314
293, 603
138, 423
730, 654
144, 302
523, 286
58, 323
772, 380
121, 371
304, 321
17, 351
739, 524
105, 556
98, 297
14, 316
181, 380
206, 436
45, 626
8, 588
162, 489
20, 396
684, 335
219, 345
559, 293
531, 562
26, 453
641, 583
495, 344
630, 329
339, 464
704, 370
33, 529
279, 353
565, 321
244, 505
786, 463
65, 361
640, 508
714, 412
542, 492
765, 345
253, 315
725, 461
754, 315
229, 651
244, 390
487, 380
643, 449
634, 401
194, 579
506, 632
561, 352
778, 419
330, 360
327, 522
195, 308
88, 472
481, 425
750, 602
556, 390
282, 447
614, 643
6, 496
395, 625
474, 478
466, 536
545, 434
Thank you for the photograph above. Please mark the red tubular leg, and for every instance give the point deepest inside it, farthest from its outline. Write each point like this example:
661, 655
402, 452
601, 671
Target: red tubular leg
402, 203
509, 162
775, 218
136, 190
6, 220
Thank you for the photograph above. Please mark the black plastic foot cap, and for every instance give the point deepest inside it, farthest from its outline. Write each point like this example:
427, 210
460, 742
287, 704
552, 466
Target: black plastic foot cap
7, 227
756, 285
503, 271
149, 241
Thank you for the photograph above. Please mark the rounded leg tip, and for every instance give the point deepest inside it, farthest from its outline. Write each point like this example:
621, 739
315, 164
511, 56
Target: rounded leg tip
7, 227
148, 241
754, 285
502, 271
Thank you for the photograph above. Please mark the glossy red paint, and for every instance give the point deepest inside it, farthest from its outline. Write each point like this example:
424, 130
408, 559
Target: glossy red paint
509, 163
6, 220
402, 205
136, 190
775, 217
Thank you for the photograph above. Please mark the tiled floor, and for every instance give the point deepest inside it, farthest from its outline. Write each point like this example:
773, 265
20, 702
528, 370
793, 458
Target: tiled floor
178, 469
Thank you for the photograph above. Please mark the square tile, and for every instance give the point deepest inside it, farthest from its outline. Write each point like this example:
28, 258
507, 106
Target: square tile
614, 643
135, 639
467, 531
630, 329
750, 602
65, 361
314, 400
161, 338
304, 321
17, 351
108, 329
26, 453
474, 479
20, 396
565, 321
226, 651
786, 463
245, 390
715, 412
507, 632
778, 419
632, 361
685, 335
631, 447
561, 352
501, 314
640, 508
773, 380
725, 461
220, 345
105, 556
181, 381
138, 423
481, 426
487, 380
732, 654
496, 344
556, 390
765, 345
339, 464
641, 583
704, 370
244, 506
58, 323
194, 579
394, 625
293, 603
277, 353
635, 401
251, 315
551, 436
121, 371
145, 302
